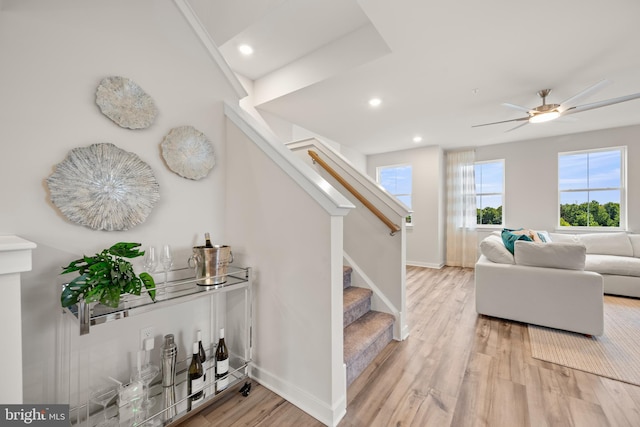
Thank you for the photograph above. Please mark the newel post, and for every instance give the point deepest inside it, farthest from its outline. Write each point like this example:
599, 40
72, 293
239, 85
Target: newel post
15, 257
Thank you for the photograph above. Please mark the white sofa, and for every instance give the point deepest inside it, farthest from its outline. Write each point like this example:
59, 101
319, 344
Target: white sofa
558, 284
616, 256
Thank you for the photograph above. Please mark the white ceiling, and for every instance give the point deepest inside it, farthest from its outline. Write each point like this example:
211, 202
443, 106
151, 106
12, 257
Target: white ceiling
439, 67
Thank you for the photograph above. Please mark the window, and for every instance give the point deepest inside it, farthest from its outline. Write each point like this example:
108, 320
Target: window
591, 188
397, 181
489, 191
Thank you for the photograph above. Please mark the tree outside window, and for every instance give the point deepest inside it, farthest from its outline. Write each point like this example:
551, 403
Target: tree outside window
489, 178
591, 186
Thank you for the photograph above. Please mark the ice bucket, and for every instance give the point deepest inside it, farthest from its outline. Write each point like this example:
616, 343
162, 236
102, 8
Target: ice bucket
211, 264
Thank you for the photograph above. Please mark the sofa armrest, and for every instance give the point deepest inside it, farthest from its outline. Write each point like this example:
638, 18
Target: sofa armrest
564, 299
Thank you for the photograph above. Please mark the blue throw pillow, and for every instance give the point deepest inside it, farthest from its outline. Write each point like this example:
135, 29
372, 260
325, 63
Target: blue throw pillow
510, 239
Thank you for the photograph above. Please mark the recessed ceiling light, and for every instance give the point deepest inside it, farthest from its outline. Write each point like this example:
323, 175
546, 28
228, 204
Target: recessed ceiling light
245, 49
374, 102
417, 139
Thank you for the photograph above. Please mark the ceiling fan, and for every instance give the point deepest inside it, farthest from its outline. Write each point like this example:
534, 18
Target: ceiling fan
547, 112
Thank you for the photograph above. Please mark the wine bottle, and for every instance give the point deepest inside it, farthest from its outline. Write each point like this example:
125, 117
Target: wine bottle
207, 241
196, 381
222, 364
202, 355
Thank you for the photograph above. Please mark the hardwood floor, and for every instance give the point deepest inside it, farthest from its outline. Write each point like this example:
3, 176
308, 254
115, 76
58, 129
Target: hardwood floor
455, 369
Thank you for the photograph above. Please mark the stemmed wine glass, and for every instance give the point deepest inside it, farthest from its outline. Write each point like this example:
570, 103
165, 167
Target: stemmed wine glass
150, 260
102, 396
146, 374
166, 260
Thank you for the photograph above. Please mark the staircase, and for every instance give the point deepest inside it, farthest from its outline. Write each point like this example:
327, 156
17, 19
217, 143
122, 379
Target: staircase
366, 332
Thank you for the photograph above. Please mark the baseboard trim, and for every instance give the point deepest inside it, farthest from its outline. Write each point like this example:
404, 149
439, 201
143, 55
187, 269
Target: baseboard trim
425, 264
319, 410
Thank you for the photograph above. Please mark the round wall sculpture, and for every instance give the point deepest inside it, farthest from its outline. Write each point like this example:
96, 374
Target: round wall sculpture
104, 188
124, 102
188, 152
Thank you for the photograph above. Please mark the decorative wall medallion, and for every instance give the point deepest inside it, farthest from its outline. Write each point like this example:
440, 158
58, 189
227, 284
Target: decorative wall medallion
103, 187
124, 102
188, 152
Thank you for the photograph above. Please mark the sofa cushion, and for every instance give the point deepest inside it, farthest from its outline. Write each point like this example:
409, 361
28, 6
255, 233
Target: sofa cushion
611, 264
635, 244
563, 238
607, 243
568, 256
493, 248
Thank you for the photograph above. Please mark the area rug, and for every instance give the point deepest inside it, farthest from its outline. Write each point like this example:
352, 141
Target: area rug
615, 354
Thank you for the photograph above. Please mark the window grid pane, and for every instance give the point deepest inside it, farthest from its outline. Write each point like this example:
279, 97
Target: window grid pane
489, 192
397, 181
591, 188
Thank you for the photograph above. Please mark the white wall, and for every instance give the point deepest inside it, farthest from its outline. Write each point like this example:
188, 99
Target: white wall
425, 243
53, 56
531, 175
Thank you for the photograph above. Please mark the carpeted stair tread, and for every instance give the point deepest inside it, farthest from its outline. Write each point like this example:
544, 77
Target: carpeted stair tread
362, 333
356, 302
346, 276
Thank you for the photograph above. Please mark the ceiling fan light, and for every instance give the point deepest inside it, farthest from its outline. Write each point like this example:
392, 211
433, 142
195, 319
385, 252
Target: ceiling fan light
544, 117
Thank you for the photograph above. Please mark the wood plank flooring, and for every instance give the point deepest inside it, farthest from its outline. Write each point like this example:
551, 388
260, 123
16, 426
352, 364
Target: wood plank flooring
455, 369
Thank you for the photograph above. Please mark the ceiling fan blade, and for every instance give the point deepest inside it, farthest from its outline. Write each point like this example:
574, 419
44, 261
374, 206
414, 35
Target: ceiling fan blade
575, 99
566, 119
517, 107
599, 104
503, 121
519, 126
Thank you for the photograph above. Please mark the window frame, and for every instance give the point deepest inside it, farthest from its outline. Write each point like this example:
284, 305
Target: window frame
502, 194
623, 190
399, 165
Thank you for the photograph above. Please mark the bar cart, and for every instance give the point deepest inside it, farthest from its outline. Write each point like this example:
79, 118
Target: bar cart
171, 404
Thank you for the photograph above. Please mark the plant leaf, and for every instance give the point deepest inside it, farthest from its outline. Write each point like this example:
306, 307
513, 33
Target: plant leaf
111, 296
73, 266
149, 285
94, 294
125, 250
73, 290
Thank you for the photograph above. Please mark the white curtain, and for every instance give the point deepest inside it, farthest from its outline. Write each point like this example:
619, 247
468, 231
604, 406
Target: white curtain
461, 209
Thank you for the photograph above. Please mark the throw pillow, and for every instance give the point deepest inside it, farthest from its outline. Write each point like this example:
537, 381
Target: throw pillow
544, 236
509, 238
568, 256
493, 248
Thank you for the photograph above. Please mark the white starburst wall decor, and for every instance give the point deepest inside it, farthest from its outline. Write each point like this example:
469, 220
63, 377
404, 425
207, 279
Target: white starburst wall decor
124, 102
104, 188
188, 152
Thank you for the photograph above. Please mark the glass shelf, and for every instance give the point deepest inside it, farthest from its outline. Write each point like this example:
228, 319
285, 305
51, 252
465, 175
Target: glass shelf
171, 292
172, 404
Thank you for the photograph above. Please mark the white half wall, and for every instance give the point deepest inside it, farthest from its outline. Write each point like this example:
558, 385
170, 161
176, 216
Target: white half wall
295, 248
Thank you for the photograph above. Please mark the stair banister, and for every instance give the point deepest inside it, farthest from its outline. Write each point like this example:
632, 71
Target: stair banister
316, 159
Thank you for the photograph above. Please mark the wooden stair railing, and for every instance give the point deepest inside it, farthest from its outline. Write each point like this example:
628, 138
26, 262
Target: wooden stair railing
316, 159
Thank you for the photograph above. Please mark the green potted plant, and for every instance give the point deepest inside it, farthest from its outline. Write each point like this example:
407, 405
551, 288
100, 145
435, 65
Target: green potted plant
106, 276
